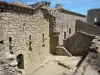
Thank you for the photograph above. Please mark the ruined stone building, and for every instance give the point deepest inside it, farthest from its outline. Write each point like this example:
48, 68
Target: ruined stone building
62, 25
81, 41
32, 33
93, 17
24, 31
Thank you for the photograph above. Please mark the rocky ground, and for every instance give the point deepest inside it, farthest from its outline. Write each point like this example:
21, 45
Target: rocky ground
91, 65
64, 65
58, 65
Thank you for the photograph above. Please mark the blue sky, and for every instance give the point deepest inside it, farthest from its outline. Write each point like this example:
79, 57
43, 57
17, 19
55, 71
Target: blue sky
79, 6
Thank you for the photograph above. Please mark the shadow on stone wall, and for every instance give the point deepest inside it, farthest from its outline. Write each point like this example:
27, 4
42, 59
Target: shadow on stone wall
78, 44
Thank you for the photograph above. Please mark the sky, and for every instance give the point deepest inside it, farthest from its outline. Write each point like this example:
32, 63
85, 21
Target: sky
79, 6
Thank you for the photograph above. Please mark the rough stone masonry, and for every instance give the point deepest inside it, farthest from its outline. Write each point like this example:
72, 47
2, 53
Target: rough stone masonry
25, 32
28, 35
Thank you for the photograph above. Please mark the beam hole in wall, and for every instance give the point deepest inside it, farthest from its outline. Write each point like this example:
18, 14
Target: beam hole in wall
43, 45
29, 37
1, 42
69, 30
30, 43
10, 39
20, 60
64, 35
67, 25
43, 38
11, 52
30, 48
10, 42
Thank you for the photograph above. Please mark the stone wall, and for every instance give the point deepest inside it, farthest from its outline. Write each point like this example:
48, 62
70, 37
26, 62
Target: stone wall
26, 34
62, 26
65, 22
86, 27
78, 42
93, 16
26, 31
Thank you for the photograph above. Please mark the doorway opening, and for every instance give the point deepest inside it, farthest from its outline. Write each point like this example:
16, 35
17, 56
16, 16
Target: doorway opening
20, 60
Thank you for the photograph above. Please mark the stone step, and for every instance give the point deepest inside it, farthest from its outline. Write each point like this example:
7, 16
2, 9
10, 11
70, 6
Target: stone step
61, 50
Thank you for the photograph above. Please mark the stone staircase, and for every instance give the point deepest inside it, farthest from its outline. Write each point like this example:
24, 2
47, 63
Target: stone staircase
61, 50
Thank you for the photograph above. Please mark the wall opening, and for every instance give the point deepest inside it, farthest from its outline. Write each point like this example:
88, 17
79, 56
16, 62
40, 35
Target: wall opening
95, 19
1, 42
43, 45
10, 43
43, 38
96, 22
30, 43
54, 42
20, 60
69, 30
64, 35
30, 48
29, 37
10, 39
67, 25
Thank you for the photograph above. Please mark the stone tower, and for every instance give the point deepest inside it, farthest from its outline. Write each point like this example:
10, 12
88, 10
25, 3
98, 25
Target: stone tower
94, 16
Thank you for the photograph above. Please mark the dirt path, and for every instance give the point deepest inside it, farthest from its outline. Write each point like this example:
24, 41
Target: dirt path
53, 68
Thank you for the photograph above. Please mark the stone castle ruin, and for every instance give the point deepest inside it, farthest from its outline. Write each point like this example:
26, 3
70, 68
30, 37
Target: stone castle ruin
28, 34
93, 16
